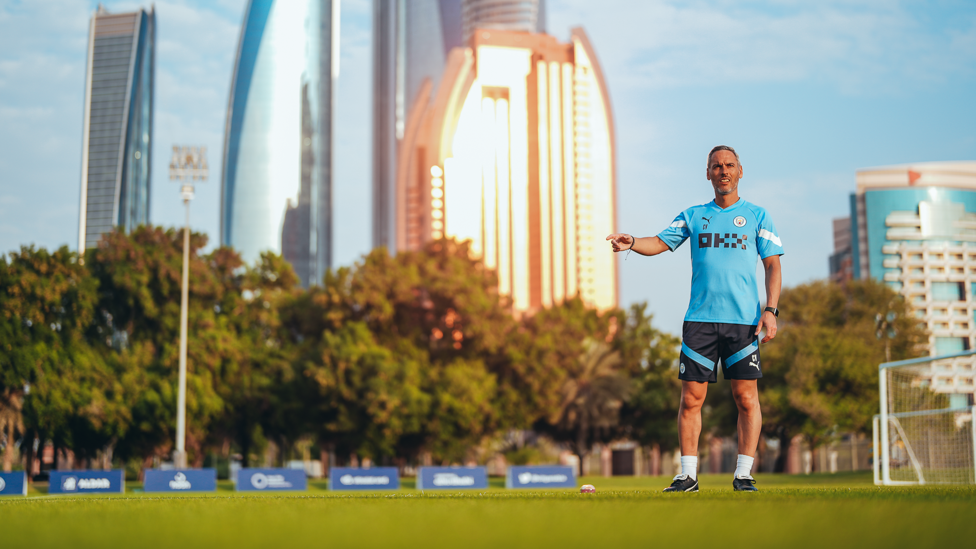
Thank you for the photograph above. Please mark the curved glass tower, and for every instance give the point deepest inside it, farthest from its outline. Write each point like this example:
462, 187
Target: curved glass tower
276, 192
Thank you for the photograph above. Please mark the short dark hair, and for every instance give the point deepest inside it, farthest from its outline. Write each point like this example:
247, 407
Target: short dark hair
708, 161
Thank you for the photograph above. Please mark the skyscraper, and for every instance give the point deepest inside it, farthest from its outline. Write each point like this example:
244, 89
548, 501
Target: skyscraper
276, 192
117, 136
411, 42
515, 152
512, 15
913, 227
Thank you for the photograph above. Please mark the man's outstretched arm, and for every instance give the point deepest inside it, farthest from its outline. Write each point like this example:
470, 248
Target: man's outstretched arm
648, 245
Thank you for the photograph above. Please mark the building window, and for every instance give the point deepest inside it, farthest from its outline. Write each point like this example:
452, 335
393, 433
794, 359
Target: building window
948, 291
951, 345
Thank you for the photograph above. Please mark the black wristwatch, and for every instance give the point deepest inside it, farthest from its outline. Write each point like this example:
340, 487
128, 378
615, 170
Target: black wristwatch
773, 310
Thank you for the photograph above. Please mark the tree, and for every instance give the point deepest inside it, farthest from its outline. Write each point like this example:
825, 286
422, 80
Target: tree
649, 357
138, 314
54, 385
431, 328
592, 396
820, 374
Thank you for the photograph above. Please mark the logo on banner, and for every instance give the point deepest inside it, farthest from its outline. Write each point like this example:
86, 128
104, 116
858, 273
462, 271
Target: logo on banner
93, 483
3, 484
366, 481
69, 484
452, 479
262, 481
179, 482
531, 478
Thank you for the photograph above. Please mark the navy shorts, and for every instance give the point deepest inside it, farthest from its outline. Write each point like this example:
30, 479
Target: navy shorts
704, 343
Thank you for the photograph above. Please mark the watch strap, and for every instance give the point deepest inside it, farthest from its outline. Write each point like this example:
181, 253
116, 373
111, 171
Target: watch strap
773, 310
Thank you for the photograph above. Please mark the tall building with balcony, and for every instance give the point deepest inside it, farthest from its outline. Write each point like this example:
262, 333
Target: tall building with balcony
914, 227
411, 43
276, 192
514, 151
117, 136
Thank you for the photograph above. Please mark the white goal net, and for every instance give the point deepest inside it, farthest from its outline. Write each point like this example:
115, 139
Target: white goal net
925, 432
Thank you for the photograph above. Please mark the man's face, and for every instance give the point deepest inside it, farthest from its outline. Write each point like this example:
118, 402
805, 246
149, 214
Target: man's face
724, 172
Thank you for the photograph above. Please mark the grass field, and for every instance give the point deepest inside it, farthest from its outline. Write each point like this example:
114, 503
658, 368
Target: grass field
823, 511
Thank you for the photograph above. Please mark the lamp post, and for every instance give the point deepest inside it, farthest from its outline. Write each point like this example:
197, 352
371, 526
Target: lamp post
186, 165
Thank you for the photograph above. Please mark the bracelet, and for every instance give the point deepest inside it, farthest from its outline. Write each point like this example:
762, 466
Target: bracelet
632, 242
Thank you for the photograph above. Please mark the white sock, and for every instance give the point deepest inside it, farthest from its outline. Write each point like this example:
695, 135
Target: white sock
689, 466
743, 466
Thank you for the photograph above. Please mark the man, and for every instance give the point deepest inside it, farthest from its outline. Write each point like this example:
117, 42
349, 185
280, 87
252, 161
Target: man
724, 317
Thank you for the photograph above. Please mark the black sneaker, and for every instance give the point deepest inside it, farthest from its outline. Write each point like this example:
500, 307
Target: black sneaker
744, 484
683, 483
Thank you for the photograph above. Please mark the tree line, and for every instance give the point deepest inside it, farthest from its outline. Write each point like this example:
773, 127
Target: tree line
397, 358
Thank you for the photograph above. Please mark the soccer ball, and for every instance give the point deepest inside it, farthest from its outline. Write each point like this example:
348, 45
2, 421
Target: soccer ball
587, 489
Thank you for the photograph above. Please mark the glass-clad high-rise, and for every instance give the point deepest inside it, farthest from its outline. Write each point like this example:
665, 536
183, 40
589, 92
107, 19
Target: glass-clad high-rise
411, 42
913, 226
117, 135
276, 193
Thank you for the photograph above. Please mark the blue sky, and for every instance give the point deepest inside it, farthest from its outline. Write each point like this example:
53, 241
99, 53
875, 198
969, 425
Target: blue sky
807, 92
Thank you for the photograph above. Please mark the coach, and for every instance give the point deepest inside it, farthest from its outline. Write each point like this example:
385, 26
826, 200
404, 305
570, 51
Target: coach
724, 317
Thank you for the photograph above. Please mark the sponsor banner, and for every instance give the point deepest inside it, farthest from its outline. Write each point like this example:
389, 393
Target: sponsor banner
180, 480
540, 476
87, 482
270, 480
446, 478
13, 484
374, 478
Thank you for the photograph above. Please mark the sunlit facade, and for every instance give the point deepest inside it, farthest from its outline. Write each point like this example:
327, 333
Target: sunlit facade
914, 227
118, 119
515, 153
411, 42
276, 193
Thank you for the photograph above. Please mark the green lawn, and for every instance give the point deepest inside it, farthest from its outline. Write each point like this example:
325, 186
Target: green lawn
823, 511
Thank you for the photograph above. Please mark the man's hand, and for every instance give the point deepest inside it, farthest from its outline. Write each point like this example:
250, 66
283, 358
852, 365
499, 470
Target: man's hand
648, 245
768, 321
621, 242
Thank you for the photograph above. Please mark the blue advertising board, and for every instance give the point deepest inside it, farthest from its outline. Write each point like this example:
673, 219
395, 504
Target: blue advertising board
270, 480
374, 478
540, 476
13, 484
446, 478
87, 482
180, 480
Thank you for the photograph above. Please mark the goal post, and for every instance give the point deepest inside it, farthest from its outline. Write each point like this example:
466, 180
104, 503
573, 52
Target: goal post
925, 432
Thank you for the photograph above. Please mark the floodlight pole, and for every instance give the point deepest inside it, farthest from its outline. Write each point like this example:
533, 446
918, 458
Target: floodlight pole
188, 163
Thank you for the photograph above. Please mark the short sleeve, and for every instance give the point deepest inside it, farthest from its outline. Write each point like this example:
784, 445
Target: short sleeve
677, 232
768, 240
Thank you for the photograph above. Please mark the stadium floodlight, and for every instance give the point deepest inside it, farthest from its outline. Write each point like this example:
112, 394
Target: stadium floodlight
926, 432
187, 165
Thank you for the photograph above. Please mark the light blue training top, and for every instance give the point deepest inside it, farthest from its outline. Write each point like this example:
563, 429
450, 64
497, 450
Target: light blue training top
725, 247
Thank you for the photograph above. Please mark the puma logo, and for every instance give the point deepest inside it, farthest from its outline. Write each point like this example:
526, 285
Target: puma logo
707, 220
754, 361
